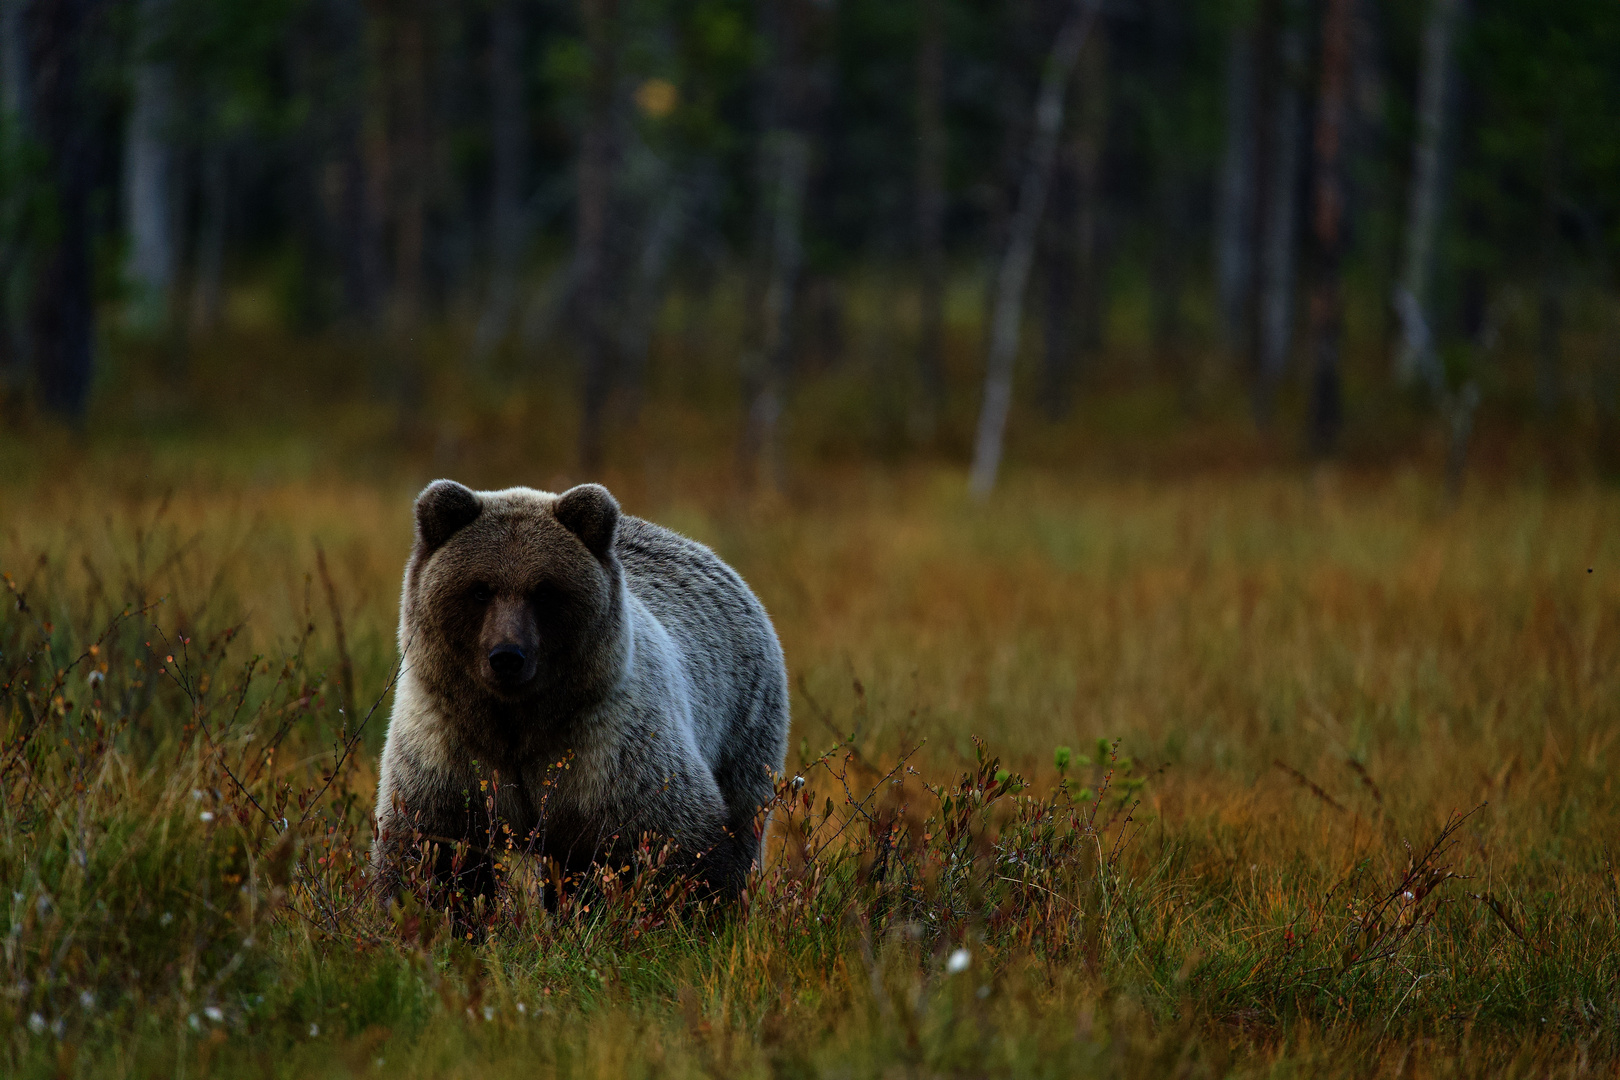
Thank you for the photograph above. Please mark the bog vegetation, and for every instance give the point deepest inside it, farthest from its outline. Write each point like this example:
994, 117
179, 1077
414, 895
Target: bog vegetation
1166, 751
1200, 765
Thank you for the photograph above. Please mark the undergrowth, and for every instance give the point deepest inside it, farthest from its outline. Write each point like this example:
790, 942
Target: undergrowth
185, 833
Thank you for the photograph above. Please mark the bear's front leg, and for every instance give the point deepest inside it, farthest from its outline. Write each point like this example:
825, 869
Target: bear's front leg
436, 839
712, 849
722, 866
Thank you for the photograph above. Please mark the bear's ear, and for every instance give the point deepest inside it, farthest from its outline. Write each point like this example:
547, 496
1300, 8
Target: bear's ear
591, 513
443, 509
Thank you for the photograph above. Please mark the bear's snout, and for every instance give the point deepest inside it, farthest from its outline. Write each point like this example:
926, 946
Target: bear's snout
508, 662
511, 643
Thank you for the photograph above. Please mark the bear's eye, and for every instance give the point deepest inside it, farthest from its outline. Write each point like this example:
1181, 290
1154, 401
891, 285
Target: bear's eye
483, 593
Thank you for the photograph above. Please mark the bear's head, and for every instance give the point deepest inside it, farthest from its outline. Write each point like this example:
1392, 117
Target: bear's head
514, 595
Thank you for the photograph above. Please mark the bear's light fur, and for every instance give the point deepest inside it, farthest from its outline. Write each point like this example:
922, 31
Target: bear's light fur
538, 628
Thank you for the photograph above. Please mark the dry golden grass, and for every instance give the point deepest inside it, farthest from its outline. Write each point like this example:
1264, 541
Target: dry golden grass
1313, 673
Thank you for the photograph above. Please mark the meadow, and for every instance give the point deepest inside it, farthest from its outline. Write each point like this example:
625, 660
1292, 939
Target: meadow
1192, 762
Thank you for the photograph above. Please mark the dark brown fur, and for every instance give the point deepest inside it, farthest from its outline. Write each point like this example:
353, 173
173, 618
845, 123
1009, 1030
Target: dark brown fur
538, 629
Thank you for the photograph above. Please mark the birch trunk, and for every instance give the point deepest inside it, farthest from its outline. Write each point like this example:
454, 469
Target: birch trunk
1007, 318
1415, 358
149, 165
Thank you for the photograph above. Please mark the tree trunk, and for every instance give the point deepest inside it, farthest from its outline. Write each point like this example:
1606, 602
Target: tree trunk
1550, 290
13, 127
786, 171
63, 322
931, 196
208, 291
409, 162
1060, 257
1235, 202
509, 126
1167, 267
359, 228
597, 158
1006, 323
1606, 393
1549, 346
1090, 134
1277, 220
659, 239
13, 60
149, 167
1327, 301
786, 110
1415, 358
1074, 308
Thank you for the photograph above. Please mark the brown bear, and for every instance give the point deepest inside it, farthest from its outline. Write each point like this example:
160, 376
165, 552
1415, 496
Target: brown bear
537, 629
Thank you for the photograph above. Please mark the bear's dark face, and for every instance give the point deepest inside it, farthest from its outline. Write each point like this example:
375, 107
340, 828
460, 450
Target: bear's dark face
514, 595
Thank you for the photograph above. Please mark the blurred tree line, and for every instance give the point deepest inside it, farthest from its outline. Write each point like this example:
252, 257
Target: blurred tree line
540, 169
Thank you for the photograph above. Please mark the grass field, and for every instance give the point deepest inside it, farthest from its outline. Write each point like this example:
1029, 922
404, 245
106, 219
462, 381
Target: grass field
1338, 797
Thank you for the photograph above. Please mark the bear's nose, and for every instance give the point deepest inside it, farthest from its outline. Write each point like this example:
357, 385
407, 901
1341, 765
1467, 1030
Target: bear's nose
507, 661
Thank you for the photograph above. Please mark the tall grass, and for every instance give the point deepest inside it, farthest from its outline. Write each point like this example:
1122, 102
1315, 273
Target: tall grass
1230, 773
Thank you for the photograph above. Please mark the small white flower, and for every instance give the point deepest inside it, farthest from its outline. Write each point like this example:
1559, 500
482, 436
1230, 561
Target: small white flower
95, 678
206, 815
314, 1030
1408, 895
168, 917
798, 782
215, 1013
193, 1022
196, 794
36, 1023
958, 962
489, 1013
522, 1008
87, 1000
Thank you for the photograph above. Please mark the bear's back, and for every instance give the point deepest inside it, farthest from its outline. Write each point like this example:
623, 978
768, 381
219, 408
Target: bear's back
729, 648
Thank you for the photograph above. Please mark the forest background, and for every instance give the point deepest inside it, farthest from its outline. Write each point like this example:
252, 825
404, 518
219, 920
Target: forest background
1175, 441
